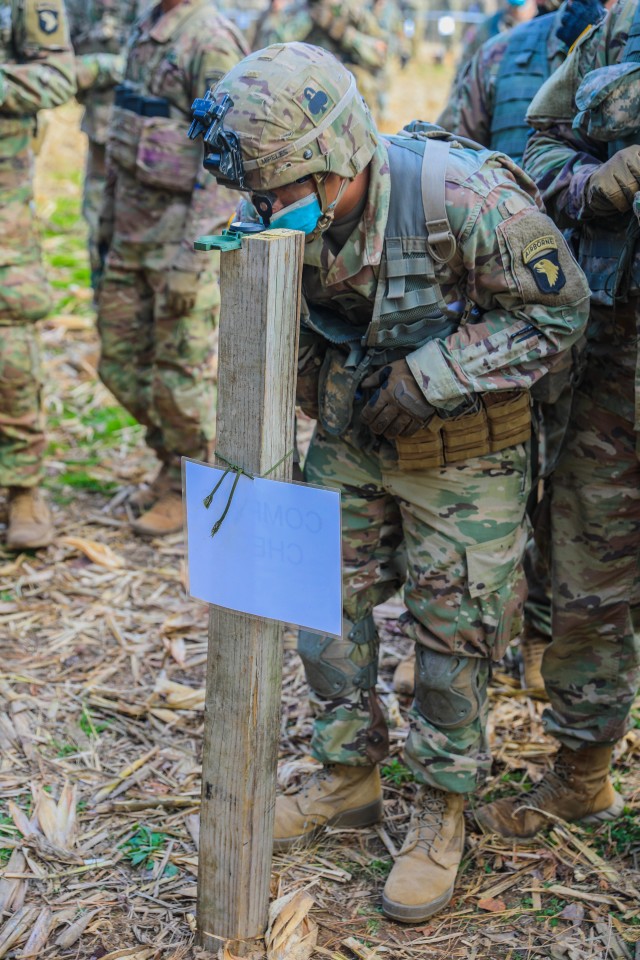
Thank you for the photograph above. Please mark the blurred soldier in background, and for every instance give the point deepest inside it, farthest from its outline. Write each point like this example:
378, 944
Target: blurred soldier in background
348, 29
494, 88
510, 14
586, 160
99, 30
158, 298
489, 104
36, 73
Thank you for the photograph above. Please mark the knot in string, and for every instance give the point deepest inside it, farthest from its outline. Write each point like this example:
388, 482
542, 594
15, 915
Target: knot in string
238, 471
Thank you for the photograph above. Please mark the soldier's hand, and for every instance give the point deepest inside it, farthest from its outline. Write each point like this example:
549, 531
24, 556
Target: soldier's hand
398, 408
181, 291
614, 184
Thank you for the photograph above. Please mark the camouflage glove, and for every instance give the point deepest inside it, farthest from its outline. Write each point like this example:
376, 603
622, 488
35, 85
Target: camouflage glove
398, 408
181, 291
612, 187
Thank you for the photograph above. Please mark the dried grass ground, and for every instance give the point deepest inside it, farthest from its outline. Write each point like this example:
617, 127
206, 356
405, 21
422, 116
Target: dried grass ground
101, 720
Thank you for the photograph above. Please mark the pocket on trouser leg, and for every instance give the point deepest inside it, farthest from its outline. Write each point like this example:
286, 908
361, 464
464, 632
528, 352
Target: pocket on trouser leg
491, 611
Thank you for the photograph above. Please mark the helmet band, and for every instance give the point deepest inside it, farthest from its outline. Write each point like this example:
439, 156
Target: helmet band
312, 134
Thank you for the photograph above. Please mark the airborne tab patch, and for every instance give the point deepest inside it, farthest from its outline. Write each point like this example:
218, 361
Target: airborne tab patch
540, 256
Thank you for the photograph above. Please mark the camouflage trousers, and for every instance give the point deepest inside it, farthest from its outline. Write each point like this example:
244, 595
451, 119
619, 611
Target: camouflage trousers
95, 174
592, 667
454, 537
553, 419
25, 297
160, 367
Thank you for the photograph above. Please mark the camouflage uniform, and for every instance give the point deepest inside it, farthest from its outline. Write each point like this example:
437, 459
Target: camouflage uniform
488, 104
156, 362
349, 30
36, 73
454, 534
472, 104
99, 29
592, 668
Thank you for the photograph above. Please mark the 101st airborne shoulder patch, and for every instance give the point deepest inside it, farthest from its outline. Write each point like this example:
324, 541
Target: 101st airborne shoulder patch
541, 258
45, 23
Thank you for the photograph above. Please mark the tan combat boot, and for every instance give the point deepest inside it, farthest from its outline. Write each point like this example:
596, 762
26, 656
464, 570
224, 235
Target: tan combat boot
30, 524
423, 876
532, 648
578, 788
336, 796
147, 494
164, 517
404, 677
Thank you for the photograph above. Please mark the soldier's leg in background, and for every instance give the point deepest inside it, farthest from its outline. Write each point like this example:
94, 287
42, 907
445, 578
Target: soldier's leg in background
125, 326
92, 194
592, 669
25, 297
182, 395
465, 532
183, 392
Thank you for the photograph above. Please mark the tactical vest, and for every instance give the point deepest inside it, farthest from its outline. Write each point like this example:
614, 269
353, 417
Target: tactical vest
409, 311
148, 134
522, 71
607, 254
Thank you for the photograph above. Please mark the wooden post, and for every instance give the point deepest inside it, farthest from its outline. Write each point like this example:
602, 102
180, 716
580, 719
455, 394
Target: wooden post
260, 307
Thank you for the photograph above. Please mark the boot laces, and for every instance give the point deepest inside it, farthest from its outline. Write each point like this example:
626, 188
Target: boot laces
545, 792
427, 819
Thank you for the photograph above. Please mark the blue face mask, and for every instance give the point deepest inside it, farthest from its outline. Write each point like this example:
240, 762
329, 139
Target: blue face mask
301, 215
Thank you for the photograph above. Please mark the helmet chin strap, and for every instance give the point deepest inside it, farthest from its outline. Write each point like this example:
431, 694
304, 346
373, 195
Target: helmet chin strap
328, 209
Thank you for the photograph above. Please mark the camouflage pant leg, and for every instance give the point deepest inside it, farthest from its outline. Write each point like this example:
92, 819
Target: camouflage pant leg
537, 608
592, 667
25, 297
125, 325
22, 439
182, 382
464, 534
346, 729
465, 531
93, 191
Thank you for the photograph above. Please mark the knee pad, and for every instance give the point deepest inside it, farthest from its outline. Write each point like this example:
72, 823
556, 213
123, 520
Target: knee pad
450, 689
336, 666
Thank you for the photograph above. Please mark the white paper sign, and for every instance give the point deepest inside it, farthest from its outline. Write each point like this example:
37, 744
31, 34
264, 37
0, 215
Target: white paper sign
277, 553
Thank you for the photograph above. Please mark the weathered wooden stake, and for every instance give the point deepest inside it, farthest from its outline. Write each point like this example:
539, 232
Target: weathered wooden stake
260, 292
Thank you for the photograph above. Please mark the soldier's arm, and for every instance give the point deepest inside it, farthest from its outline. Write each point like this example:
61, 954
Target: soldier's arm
99, 71
531, 298
558, 158
354, 29
46, 77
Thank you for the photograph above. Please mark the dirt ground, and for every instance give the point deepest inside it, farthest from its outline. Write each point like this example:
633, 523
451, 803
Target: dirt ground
101, 700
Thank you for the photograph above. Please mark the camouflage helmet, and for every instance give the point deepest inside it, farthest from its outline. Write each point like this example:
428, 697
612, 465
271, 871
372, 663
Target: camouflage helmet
296, 112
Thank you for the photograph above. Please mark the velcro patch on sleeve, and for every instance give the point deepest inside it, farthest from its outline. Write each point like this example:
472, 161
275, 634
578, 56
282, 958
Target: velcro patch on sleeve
45, 23
541, 263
